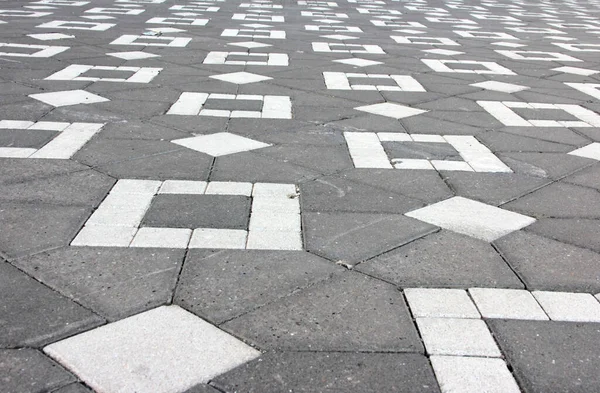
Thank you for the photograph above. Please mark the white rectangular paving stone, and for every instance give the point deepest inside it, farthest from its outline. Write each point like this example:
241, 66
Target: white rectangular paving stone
457, 337
472, 218
569, 307
473, 375
576, 70
274, 190
507, 304
104, 236
274, 240
164, 350
229, 188
589, 151
265, 220
16, 152
70, 25
500, 86
162, 237
183, 187
440, 303
218, 238
134, 186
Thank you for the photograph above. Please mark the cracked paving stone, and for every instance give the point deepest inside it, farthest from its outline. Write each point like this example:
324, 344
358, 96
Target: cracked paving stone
34, 315
330, 316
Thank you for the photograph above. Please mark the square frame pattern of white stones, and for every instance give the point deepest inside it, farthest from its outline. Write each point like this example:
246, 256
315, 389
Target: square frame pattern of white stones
275, 222
74, 72
192, 104
367, 151
71, 138
504, 113
341, 81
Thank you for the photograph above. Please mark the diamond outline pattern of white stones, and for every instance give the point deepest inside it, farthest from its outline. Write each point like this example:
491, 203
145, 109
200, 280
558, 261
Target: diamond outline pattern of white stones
109, 357
220, 144
74, 72
341, 81
366, 151
274, 218
503, 112
70, 139
472, 218
192, 104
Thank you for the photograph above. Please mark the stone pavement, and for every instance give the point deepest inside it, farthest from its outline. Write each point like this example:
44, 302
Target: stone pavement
300, 196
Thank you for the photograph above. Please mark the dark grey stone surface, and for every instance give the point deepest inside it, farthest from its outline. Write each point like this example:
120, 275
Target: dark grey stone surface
198, 211
27, 370
443, 259
354, 237
225, 284
547, 264
74, 388
114, 282
331, 372
577, 231
335, 315
551, 356
34, 315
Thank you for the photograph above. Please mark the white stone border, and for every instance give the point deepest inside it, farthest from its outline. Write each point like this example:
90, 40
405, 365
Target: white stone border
44, 50
174, 42
71, 138
275, 222
192, 104
73, 72
502, 111
341, 81
76, 25
367, 151
265, 59
492, 67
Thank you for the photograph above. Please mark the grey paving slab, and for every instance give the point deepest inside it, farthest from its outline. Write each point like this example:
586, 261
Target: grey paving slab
262, 277
550, 165
548, 264
550, 356
589, 177
330, 316
443, 259
330, 372
26, 370
115, 283
354, 237
34, 315
30, 228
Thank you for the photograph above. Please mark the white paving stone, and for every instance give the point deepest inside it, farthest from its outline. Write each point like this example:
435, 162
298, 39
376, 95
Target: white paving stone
163, 350
472, 218
135, 55
490, 67
274, 240
576, 70
592, 89
358, 62
104, 236
50, 36
500, 86
218, 238
389, 109
162, 237
507, 304
68, 97
241, 78
440, 303
249, 44
571, 307
134, 186
590, 151
473, 375
443, 52
183, 187
457, 337
220, 144
229, 188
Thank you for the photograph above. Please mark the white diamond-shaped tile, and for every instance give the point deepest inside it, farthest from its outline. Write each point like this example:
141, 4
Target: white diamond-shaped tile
250, 44
410, 31
164, 30
68, 97
472, 218
500, 86
136, 55
220, 144
241, 78
50, 36
98, 17
443, 52
508, 44
576, 70
340, 37
590, 151
388, 109
358, 62
163, 350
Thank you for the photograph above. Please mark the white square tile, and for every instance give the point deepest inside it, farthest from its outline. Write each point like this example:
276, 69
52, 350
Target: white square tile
218, 238
500, 86
590, 151
507, 304
220, 144
388, 109
162, 237
68, 97
571, 307
457, 337
440, 303
163, 350
473, 375
472, 218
